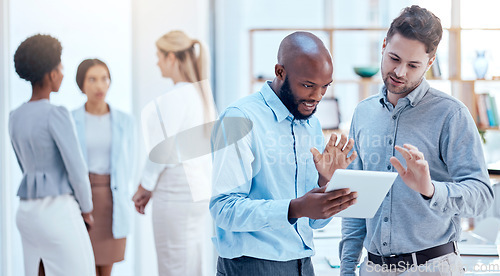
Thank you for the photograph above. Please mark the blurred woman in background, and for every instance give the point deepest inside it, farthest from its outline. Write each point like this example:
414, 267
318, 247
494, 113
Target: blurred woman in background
55, 189
106, 138
179, 222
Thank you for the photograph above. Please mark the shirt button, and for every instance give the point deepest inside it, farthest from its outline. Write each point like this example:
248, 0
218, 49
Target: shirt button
388, 194
445, 209
389, 167
384, 244
394, 117
435, 204
390, 141
386, 219
115, 188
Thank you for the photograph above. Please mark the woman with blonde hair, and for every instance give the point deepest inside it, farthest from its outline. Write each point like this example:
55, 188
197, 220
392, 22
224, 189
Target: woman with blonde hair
179, 212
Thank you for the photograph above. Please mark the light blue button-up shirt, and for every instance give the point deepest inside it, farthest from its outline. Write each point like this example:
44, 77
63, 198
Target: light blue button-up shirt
442, 128
255, 179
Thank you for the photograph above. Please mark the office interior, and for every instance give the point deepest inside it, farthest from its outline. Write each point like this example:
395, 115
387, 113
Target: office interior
243, 38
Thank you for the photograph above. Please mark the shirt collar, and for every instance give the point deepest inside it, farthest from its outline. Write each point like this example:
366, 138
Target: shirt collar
276, 105
413, 97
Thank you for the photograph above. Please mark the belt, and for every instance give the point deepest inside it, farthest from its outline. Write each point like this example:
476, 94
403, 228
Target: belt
421, 257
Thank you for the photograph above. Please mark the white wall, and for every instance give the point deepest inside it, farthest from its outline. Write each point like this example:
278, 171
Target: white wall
85, 29
151, 20
234, 19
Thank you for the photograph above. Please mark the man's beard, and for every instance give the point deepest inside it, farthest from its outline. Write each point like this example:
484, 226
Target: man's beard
405, 89
289, 100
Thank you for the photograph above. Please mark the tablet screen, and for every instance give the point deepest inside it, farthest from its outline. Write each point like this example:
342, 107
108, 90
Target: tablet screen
372, 188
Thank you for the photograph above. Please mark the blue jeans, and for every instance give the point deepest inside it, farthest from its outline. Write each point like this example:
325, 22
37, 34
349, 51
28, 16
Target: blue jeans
247, 266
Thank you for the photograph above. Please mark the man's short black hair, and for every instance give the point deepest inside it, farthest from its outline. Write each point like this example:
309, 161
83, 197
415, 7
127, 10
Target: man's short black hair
419, 24
37, 56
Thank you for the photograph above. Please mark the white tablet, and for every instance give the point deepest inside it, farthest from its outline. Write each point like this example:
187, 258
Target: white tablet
371, 187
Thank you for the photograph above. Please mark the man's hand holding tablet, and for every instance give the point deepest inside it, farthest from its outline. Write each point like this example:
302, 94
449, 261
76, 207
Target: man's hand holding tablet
316, 204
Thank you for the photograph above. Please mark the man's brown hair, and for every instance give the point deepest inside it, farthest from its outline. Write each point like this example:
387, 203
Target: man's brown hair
419, 24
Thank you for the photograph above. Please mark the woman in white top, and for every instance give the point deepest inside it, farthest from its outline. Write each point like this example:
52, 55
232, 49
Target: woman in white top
55, 189
106, 137
179, 220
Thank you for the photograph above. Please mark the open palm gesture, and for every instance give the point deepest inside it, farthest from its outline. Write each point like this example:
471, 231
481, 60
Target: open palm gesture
416, 175
335, 156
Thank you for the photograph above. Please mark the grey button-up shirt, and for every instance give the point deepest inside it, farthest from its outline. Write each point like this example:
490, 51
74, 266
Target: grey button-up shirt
442, 128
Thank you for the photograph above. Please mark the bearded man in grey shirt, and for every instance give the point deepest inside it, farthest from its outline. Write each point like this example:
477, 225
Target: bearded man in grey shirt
431, 140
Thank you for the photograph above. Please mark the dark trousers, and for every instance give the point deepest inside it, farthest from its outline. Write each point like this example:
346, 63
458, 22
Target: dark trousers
247, 266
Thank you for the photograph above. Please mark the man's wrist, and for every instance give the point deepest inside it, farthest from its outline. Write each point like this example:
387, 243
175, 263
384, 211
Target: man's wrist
430, 192
322, 181
294, 209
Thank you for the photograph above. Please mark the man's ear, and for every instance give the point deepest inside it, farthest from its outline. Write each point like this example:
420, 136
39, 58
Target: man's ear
431, 61
384, 45
280, 72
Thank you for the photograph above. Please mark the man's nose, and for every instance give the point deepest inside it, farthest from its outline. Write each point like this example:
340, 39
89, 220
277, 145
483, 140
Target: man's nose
318, 93
400, 71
